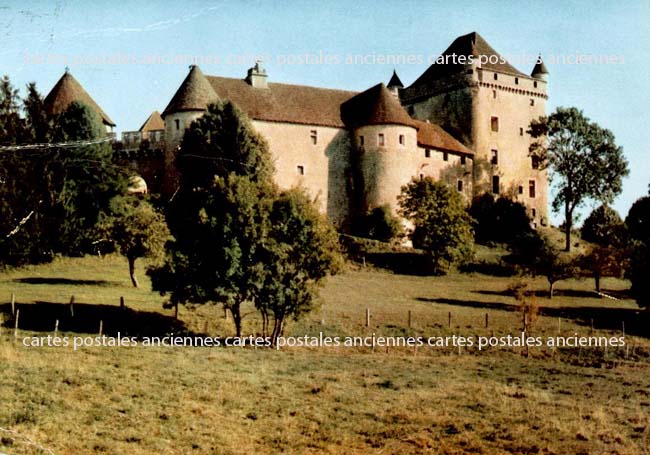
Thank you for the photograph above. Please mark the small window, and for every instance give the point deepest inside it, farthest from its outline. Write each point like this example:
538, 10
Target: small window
460, 185
521, 131
534, 212
427, 153
494, 124
521, 189
535, 84
532, 102
445, 156
495, 184
402, 141
463, 160
380, 140
494, 94
534, 162
421, 176
178, 124
531, 188
496, 76
516, 81
301, 170
494, 157
361, 141
314, 136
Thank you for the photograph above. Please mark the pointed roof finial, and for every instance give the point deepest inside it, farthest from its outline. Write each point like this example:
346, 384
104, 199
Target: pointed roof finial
395, 81
539, 71
67, 69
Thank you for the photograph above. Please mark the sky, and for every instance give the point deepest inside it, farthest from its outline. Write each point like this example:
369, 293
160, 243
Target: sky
132, 56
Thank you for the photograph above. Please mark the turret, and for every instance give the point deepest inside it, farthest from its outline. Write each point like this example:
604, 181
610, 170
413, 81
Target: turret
539, 71
395, 85
383, 135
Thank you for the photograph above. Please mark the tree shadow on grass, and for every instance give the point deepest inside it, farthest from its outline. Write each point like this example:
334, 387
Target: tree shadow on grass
65, 281
85, 318
637, 321
619, 294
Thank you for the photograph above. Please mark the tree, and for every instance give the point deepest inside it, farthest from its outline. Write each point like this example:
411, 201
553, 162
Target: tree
138, 230
301, 250
584, 160
498, 221
379, 224
442, 226
603, 226
602, 261
552, 264
638, 220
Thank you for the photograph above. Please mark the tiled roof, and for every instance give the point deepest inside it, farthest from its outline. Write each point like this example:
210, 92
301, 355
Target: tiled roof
66, 91
375, 106
194, 94
154, 122
432, 135
539, 68
284, 102
471, 44
395, 81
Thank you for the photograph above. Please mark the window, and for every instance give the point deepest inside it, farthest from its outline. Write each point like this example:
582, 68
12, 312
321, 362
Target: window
494, 94
532, 102
380, 140
402, 141
460, 185
463, 160
421, 176
178, 124
534, 162
534, 212
314, 136
445, 156
495, 184
516, 81
521, 189
361, 141
494, 123
496, 76
301, 170
531, 188
535, 84
427, 153
494, 157
521, 131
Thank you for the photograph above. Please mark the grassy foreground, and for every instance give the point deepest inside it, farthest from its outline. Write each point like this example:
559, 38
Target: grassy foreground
149, 400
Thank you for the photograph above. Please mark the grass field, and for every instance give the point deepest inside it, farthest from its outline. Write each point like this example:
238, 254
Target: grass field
148, 400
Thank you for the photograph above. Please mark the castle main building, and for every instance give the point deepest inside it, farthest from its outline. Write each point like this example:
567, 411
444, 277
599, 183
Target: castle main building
463, 121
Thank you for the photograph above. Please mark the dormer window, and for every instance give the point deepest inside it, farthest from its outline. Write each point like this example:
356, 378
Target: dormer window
314, 136
381, 141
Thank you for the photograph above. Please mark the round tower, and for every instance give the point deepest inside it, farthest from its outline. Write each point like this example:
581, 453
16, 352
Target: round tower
188, 103
384, 137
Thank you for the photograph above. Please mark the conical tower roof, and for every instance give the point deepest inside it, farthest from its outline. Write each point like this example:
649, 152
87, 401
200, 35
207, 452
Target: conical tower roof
395, 81
539, 68
66, 91
154, 122
194, 94
375, 106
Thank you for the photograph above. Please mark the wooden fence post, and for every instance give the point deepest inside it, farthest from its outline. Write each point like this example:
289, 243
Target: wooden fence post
16, 324
410, 320
487, 320
122, 305
367, 317
56, 327
101, 327
72, 306
13, 304
449, 320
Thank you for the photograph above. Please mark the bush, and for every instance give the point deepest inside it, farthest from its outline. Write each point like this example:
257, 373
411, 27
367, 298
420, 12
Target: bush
498, 221
379, 224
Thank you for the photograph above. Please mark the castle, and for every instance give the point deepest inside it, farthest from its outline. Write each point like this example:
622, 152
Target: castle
463, 121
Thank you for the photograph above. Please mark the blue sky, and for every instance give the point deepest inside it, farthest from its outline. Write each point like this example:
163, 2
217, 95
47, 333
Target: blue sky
39, 39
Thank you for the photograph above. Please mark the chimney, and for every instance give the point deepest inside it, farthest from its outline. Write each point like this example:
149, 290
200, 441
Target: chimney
257, 76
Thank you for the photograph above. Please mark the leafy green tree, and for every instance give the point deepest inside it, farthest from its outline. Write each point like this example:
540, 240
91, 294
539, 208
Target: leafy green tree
442, 226
638, 220
500, 220
221, 142
603, 226
379, 224
301, 250
584, 160
550, 263
138, 230
38, 123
